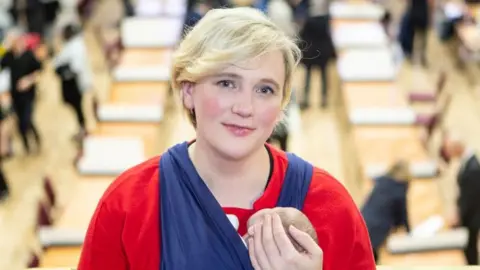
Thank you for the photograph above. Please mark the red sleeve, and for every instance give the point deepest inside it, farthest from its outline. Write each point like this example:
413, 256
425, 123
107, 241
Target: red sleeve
102, 248
341, 230
124, 208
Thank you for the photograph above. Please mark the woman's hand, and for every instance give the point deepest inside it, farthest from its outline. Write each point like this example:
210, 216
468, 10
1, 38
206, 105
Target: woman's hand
271, 249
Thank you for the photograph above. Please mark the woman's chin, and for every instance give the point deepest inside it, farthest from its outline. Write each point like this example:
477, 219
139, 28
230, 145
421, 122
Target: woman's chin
237, 149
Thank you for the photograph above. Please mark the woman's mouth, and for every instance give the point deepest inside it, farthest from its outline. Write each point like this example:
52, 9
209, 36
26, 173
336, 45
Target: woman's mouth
239, 131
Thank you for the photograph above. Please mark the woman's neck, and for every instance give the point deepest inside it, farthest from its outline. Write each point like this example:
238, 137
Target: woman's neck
221, 175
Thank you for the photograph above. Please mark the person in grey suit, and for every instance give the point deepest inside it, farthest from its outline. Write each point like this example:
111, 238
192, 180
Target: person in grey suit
468, 202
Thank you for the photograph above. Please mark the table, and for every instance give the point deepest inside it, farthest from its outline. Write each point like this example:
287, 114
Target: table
373, 144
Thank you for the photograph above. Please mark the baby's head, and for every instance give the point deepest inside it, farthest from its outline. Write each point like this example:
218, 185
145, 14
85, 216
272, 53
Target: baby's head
289, 216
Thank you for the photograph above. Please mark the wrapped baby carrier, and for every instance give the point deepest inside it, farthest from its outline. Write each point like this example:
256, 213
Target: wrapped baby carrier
195, 231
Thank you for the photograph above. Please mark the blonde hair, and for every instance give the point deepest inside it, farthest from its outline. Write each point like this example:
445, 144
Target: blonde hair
400, 171
228, 36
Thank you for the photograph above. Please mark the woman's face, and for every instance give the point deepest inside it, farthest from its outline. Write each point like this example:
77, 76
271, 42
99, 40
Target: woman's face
237, 108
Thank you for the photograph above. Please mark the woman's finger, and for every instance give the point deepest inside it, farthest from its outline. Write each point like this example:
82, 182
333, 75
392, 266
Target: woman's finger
268, 241
260, 254
284, 243
306, 241
251, 252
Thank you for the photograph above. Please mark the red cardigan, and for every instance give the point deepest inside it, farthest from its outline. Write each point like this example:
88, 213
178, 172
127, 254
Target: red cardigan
124, 231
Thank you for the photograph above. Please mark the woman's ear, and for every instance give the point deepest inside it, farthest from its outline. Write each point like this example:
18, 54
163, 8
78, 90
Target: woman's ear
187, 95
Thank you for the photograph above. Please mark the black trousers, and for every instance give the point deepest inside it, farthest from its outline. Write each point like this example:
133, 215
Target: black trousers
128, 7
3, 185
23, 108
375, 255
324, 85
78, 108
74, 98
471, 250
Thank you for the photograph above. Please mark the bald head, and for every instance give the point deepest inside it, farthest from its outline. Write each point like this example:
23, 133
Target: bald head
288, 216
454, 146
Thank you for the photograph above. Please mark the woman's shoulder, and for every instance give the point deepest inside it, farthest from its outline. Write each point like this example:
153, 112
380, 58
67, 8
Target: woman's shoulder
326, 187
330, 206
135, 182
328, 197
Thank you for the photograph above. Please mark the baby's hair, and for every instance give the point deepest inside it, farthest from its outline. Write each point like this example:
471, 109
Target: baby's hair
290, 216
229, 36
301, 222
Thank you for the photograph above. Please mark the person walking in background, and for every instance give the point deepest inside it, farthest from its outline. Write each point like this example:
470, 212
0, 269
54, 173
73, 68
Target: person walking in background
23, 66
386, 206
73, 67
467, 204
414, 30
318, 48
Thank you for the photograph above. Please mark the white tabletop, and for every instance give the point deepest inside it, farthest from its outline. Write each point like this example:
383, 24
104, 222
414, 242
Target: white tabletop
110, 155
360, 35
367, 65
149, 8
130, 113
365, 11
151, 32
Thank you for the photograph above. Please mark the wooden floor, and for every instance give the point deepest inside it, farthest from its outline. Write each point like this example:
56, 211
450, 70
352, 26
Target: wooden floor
319, 140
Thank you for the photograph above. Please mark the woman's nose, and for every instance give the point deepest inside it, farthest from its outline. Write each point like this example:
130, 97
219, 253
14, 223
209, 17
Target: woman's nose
243, 104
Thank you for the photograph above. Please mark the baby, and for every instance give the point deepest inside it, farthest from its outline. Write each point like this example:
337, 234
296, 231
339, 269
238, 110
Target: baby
288, 216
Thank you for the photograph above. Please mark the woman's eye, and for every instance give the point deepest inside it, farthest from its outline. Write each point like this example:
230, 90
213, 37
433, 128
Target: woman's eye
266, 90
226, 84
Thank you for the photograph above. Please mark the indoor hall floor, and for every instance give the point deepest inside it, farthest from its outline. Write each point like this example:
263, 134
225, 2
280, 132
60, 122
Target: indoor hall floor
317, 141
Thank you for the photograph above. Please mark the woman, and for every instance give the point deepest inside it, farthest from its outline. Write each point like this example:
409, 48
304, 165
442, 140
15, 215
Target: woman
73, 67
386, 207
318, 47
170, 212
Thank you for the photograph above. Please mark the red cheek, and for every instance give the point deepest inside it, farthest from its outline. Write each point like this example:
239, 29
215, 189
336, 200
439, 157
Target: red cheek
211, 106
268, 114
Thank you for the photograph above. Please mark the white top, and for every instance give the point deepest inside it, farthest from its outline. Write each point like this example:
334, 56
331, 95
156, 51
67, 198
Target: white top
75, 54
281, 14
319, 7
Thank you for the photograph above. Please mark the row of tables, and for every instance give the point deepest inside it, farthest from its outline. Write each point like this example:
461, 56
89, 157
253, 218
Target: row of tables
140, 81
379, 125
128, 130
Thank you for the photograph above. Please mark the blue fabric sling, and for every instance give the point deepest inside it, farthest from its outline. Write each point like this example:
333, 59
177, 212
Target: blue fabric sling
195, 231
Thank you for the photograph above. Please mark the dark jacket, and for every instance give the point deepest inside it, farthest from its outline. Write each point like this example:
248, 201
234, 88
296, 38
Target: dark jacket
385, 209
469, 193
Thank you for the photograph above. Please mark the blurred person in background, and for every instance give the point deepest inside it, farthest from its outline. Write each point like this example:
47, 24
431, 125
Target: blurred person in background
196, 9
386, 206
467, 212
414, 29
24, 68
317, 46
4, 192
281, 13
73, 67
33, 13
5, 132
